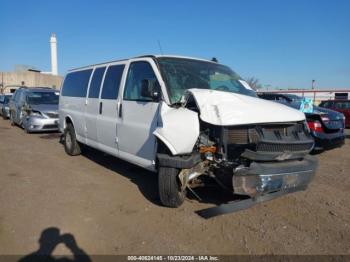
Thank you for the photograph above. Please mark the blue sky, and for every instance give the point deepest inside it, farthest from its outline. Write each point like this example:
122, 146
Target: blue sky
282, 43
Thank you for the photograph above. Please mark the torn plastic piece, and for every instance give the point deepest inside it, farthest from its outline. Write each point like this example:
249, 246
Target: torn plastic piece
244, 204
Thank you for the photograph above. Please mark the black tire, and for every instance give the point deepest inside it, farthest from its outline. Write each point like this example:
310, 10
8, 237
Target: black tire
11, 119
71, 145
27, 131
170, 192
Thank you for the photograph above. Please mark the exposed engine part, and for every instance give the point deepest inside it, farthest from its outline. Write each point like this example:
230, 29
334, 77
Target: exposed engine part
204, 139
207, 149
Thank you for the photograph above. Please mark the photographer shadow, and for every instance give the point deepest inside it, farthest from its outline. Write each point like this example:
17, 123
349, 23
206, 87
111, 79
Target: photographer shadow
49, 239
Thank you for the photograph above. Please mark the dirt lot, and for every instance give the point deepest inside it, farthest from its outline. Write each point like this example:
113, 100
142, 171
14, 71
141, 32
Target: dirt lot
112, 207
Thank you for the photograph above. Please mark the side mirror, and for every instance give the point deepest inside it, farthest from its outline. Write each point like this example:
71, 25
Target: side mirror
150, 89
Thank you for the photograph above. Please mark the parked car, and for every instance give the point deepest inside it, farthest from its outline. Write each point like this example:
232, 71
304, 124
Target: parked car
4, 105
189, 120
326, 126
35, 109
342, 106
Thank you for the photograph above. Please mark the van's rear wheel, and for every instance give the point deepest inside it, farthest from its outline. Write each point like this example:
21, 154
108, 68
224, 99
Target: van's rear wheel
170, 192
71, 145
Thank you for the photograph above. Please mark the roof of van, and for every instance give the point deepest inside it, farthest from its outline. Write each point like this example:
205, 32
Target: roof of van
149, 56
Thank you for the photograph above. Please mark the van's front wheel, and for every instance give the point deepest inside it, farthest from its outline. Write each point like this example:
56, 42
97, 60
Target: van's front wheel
71, 145
170, 192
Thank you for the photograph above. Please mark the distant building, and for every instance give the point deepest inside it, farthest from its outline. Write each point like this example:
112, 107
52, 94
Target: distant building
29, 76
10, 81
317, 95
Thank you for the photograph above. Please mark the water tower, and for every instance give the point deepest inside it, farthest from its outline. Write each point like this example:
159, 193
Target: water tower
53, 45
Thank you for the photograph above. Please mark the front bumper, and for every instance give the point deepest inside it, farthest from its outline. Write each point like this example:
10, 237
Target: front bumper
39, 124
264, 178
328, 141
5, 112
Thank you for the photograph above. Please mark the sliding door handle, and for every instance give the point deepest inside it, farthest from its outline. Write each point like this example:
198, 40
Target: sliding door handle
120, 111
100, 110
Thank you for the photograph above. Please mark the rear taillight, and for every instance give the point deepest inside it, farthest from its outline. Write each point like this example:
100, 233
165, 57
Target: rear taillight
315, 126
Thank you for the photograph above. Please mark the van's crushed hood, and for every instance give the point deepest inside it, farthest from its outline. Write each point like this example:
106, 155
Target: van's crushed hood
225, 108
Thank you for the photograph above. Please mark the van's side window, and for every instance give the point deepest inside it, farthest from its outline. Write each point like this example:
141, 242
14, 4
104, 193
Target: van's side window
112, 82
138, 72
76, 83
95, 84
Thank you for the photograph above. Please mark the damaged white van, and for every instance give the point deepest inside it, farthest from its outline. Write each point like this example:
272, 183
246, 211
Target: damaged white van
189, 120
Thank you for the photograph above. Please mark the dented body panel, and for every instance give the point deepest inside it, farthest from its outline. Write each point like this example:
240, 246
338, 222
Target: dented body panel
178, 129
224, 109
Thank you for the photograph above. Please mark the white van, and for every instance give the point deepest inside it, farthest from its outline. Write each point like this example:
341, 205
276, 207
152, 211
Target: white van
189, 120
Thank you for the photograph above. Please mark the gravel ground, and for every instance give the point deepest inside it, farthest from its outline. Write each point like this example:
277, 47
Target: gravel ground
112, 207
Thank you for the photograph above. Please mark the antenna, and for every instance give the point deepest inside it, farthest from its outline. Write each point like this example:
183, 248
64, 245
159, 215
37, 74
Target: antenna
160, 47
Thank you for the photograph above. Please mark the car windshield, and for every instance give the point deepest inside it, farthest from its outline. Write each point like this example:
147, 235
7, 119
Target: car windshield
35, 98
181, 74
294, 98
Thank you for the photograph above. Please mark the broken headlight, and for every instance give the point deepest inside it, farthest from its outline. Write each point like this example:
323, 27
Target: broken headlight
35, 113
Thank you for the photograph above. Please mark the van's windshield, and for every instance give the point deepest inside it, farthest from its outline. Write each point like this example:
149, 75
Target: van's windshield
181, 74
37, 98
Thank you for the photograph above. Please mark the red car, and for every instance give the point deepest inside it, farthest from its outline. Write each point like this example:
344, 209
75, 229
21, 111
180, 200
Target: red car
342, 106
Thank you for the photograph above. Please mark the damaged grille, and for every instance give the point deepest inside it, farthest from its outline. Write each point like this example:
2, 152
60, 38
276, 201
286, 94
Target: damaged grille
266, 147
266, 139
237, 136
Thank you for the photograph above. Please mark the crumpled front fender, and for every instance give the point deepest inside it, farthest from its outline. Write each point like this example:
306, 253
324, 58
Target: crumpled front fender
178, 129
